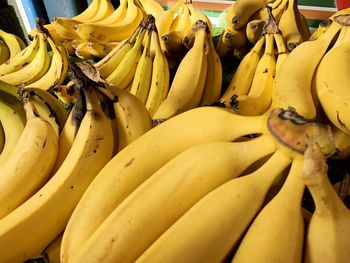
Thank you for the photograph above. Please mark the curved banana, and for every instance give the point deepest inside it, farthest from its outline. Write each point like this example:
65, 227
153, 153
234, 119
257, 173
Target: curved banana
21, 59
160, 80
82, 51
34, 70
187, 87
342, 143
196, 15
254, 30
242, 10
330, 76
243, 77
164, 21
57, 71
13, 42
213, 80
258, 99
89, 12
117, 16
125, 71
65, 27
97, 50
160, 201
57, 38
278, 10
289, 26
52, 252
4, 52
214, 224
345, 11
277, 232
294, 77
152, 7
30, 163
322, 27
143, 73
104, 10
105, 33
234, 38
90, 151
172, 43
328, 232
282, 51
122, 175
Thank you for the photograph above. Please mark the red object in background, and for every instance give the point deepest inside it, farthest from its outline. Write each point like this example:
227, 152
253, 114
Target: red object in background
342, 4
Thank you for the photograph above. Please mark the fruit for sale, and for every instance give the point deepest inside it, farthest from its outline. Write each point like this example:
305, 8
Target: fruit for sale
13, 43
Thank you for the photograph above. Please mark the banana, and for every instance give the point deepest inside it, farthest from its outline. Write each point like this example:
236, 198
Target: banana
172, 43
90, 151
122, 174
282, 51
4, 52
243, 77
289, 26
67, 45
52, 252
213, 81
196, 15
221, 48
34, 70
105, 33
213, 225
21, 59
58, 39
303, 26
143, 74
189, 80
105, 9
164, 21
30, 163
160, 79
342, 143
345, 11
117, 16
254, 30
57, 71
13, 42
65, 28
277, 11
322, 27
97, 50
89, 12
333, 96
234, 38
294, 77
125, 71
152, 7
258, 99
132, 117
242, 10
167, 195
277, 232
328, 232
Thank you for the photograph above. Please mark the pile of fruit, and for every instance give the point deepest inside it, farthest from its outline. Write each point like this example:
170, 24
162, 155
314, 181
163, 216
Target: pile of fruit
120, 142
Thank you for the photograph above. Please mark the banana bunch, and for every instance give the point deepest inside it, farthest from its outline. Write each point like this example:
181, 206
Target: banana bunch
10, 45
42, 64
245, 21
100, 24
185, 209
194, 84
250, 89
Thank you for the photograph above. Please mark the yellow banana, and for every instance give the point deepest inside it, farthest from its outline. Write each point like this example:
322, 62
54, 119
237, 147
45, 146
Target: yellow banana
44, 215
82, 51
152, 7
125, 71
329, 78
294, 77
97, 50
258, 99
243, 77
58, 39
213, 226
322, 27
13, 42
254, 30
122, 174
196, 15
52, 252
277, 232
282, 51
105, 33
4, 52
143, 74
189, 80
163, 22
167, 195
328, 232
342, 143
65, 28
30, 163
278, 10
89, 12
234, 38
57, 71
221, 48
159, 88
117, 16
104, 10
213, 81
34, 70
172, 43
345, 11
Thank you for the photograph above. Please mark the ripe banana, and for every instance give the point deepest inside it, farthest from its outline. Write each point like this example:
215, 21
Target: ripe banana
258, 99
294, 77
196, 15
254, 30
122, 174
152, 7
322, 27
167, 195
159, 88
117, 16
243, 77
342, 143
91, 150
30, 163
52, 252
97, 50
82, 51
164, 21
189, 80
213, 226
277, 232
4, 52
282, 51
330, 78
13, 42
328, 232
89, 12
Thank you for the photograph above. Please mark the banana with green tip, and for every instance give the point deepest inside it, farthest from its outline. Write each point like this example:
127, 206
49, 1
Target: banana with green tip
30, 163
214, 225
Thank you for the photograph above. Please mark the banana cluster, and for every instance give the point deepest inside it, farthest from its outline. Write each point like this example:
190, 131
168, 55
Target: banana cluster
94, 32
250, 89
10, 45
42, 64
245, 20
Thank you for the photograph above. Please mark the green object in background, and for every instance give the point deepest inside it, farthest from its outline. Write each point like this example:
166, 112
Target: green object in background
321, 3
